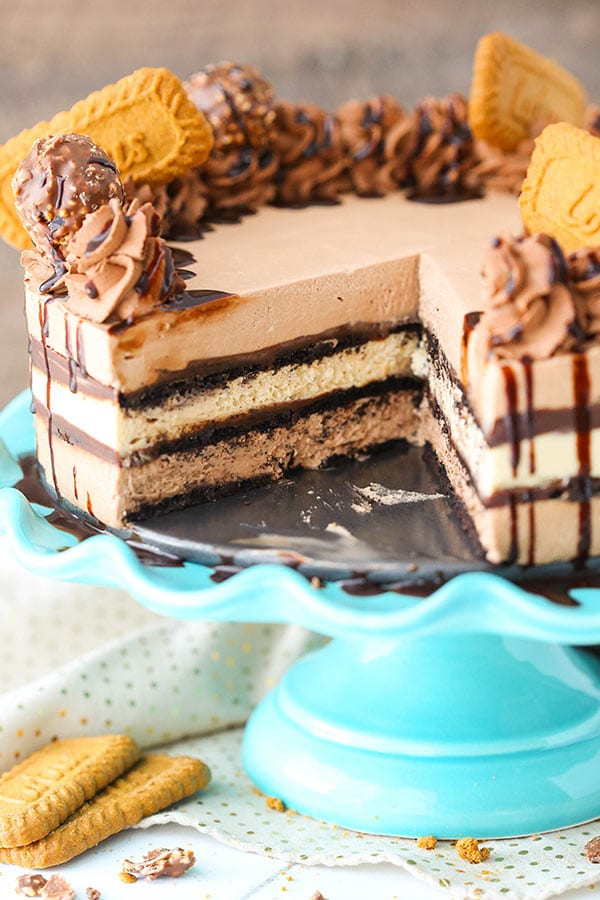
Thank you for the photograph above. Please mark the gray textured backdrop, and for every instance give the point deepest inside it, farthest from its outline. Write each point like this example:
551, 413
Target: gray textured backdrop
52, 53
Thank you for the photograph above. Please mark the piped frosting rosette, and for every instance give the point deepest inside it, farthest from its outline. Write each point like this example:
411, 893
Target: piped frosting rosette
379, 139
118, 265
584, 272
530, 310
311, 157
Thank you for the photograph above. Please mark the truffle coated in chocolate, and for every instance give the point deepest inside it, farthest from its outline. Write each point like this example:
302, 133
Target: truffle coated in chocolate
237, 101
62, 179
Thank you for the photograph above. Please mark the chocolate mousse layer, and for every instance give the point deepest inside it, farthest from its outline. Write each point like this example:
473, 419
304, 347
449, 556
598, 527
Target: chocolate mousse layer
92, 478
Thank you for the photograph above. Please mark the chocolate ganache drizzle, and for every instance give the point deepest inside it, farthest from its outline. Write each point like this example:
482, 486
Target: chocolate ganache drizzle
103, 261
539, 305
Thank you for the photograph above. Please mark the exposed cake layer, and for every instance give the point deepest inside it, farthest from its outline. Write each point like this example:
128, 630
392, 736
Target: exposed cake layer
525, 527
528, 446
515, 400
514, 482
127, 428
296, 438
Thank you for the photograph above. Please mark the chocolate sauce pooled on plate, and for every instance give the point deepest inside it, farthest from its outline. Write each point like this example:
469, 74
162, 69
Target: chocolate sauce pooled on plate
32, 487
553, 586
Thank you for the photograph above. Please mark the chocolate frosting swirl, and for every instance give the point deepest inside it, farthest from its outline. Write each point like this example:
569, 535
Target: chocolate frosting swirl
584, 274
443, 155
238, 179
500, 170
181, 203
592, 119
530, 311
378, 139
118, 267
308, 145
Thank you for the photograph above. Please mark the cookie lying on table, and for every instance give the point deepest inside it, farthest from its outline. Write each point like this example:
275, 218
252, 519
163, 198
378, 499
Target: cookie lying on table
65, 798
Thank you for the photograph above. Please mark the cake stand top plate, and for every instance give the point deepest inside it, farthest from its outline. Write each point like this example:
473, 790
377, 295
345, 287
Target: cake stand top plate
386, 519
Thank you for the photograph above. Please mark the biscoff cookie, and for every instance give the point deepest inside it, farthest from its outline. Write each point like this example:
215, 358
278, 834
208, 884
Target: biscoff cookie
145, 122
561, 193
516, 91
152, 784
43, 790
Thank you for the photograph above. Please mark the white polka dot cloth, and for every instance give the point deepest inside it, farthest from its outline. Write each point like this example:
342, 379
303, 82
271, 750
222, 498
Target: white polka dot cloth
83, 660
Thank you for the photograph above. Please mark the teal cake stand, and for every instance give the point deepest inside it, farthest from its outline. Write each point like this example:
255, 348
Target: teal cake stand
472, 712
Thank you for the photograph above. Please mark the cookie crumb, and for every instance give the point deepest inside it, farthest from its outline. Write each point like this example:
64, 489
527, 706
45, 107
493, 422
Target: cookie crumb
468, 848
172, 863
127, 878
317, 896
30, 885
427, 842
592, 849
92, 893
56, 888
276, 803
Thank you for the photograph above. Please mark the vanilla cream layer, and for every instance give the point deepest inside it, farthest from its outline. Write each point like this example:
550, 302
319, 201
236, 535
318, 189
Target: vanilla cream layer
528, 533
543, 459
544, 384
112, 492
129, 430
297, 273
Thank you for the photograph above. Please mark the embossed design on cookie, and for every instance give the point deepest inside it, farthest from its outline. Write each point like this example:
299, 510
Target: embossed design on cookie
145, 122
515, 91
561, 193
583, 214
151, 785
43, 790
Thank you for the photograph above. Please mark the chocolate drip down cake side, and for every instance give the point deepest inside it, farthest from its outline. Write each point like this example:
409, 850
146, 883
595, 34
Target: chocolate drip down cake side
170, 374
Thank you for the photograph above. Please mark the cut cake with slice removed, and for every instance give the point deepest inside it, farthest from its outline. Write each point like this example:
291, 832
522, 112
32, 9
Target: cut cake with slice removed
305, 335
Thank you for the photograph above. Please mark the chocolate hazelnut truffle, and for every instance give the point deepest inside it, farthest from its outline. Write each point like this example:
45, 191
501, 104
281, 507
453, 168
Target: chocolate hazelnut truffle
237, 101
62, 179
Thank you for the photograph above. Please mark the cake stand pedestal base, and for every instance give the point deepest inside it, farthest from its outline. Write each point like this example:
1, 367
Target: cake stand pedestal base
444, 734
